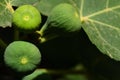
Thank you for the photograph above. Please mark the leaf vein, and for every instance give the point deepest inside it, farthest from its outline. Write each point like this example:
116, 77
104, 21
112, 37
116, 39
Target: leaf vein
103, 11
100, 36
107, 4
81, 8
107, 25
116, 12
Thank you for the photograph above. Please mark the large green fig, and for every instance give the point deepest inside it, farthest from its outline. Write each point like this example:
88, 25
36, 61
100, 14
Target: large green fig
63, 19
22, 56
26, 18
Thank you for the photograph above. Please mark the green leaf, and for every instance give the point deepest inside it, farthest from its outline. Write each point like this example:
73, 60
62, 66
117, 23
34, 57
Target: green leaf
6, 10
23, 2
5, 13
101, 23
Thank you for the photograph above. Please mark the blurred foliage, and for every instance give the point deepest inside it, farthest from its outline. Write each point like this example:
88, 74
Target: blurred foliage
61, 56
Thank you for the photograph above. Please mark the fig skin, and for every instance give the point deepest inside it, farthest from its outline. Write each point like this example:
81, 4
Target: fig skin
22, 56
63, 19
26, 18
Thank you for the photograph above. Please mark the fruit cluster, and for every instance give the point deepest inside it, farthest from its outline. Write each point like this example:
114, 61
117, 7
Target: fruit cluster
24, 56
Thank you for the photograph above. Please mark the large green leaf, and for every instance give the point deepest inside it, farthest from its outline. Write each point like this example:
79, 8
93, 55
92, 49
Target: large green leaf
22, 2
101, 23
6, 10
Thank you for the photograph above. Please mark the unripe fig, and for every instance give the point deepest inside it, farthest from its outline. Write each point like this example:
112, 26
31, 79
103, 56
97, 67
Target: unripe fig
63, 19
22, 56
26, 18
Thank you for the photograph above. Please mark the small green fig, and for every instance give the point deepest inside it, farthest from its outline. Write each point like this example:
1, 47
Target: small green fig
22, 56
26, 18
63, 19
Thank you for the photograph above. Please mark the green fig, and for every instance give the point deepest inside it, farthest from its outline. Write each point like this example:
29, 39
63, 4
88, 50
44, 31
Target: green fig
26, 18
22, 56
63, 19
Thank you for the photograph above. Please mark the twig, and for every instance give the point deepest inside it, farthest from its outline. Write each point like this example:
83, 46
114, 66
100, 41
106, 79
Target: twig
64, 71
3, 44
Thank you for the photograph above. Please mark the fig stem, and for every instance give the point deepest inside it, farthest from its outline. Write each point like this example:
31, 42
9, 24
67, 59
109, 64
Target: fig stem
2, 44
36, 73
45, 38
41, 32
